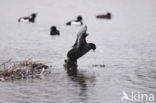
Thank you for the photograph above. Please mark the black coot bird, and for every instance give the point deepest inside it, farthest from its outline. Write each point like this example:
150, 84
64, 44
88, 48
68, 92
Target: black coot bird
80, 48
105, 16
54, 31
77, 22
30, 18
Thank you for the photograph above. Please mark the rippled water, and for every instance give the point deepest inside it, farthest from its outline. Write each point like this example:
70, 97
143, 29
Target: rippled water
126, 45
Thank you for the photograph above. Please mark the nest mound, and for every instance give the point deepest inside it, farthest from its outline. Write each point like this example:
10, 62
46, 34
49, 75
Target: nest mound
21, 70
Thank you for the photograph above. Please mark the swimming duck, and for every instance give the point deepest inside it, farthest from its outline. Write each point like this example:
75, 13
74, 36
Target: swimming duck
54, 31
106, 16
30, 18
77, 22
80, 48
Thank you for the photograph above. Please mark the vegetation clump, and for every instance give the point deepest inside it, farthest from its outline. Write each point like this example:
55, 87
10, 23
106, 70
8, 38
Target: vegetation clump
21, 70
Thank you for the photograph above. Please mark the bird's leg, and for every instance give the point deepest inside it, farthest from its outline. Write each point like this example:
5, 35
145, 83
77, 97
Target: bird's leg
70, 64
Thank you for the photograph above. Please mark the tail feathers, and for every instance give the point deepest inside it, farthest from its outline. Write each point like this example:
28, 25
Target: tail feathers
19, 20
68, 23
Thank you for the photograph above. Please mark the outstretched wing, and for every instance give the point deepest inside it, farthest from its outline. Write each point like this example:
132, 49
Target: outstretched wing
81, 38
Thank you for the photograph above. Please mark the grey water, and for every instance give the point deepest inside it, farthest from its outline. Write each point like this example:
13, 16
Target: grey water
126, 44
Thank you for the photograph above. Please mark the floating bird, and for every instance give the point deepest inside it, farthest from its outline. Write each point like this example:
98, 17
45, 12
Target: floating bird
77, 22
54, 31
106, 16
30, 18
80, 48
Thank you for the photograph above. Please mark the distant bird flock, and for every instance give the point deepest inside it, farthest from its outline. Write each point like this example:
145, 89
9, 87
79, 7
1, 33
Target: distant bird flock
81, 47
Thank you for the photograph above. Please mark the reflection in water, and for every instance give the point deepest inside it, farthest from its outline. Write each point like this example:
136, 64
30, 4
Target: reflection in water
81, 79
